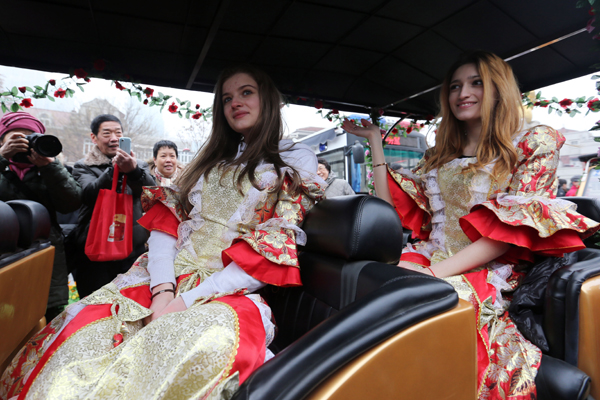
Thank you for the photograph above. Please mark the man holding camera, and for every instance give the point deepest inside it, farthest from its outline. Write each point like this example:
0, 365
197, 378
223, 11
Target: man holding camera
42, 179
95, 172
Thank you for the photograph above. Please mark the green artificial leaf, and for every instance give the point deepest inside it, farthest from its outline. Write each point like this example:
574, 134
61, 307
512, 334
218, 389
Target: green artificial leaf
38, 87
580, 99
592, 2
138, 95
573, 113
596, 128
580, 4
180, 114
538, 95
554, 99
560, 113
6, 94
595, 77
187, 114
550, 110
14, 91
15, 107
5, 110
50, 98
27, 88
178, 101
160, 95
162, 108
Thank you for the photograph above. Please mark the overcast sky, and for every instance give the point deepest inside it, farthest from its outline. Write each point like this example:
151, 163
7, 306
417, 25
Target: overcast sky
295, 116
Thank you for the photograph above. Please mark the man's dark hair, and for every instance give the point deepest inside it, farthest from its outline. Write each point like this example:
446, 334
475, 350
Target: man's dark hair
95, 126
325, 163
164, 143
562, 182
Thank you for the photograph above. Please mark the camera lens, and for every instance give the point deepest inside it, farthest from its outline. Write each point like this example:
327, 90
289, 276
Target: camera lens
46, 145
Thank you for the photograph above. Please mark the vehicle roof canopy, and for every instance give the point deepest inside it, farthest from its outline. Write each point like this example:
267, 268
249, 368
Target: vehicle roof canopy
352, 54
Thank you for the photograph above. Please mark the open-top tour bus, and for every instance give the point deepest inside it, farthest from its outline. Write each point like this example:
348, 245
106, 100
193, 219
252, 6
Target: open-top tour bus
359, 327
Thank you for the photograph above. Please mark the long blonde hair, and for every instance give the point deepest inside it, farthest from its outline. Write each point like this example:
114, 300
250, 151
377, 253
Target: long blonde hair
501, 118
262, 142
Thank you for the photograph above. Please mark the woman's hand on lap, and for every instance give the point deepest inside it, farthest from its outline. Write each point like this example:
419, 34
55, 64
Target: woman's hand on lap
175, 305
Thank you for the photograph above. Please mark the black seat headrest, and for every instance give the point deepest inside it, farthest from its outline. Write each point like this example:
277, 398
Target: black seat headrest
34, 221
9, 233
353, 228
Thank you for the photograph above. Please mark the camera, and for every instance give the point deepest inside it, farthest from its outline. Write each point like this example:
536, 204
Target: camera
44, 145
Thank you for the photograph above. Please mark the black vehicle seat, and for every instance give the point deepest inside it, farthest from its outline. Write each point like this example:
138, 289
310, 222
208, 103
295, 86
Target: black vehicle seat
25, 272
572, 308
360, 325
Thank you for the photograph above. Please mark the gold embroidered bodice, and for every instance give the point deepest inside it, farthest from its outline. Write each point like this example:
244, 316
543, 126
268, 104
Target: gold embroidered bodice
220, 199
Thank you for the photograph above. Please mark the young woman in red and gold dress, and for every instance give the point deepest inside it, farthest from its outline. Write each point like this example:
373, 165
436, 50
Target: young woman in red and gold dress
482, 200
183, 322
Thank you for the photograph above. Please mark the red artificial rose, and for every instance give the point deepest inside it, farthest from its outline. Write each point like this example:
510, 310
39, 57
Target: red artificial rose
537, 103
592, 106
564, 103
173, 108
334, 111
381, 111
52, 82
149, 92
318, 104
409, 129
146, 101
429, 117
80, 73
99, 65
22, 89
60, 93
395, 130
87, 80
119, 86
422, 125
26, 103
197, 115
197, 106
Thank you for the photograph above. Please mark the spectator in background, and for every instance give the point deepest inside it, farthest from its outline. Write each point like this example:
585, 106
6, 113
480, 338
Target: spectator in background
44, 180
95, 172
336, 187
575, 182
562, 188
164, 166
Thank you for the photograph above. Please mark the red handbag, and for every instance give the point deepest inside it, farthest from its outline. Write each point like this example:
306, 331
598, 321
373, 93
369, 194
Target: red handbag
110, 236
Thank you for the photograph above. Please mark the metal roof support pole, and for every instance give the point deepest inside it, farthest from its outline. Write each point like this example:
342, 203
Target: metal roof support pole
214, 29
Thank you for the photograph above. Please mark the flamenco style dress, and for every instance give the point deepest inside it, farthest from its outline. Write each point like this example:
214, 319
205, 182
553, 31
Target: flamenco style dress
448, 209
228, 245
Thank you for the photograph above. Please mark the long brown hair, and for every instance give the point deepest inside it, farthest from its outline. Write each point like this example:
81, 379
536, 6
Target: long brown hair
501, 118
262, 141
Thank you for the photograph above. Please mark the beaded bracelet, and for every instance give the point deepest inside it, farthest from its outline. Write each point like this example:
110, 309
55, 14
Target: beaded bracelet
162, 291
379, 165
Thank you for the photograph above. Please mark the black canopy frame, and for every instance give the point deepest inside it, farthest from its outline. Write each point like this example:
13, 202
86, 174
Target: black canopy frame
354, 55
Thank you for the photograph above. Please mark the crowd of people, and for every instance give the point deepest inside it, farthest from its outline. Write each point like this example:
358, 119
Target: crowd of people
189, 323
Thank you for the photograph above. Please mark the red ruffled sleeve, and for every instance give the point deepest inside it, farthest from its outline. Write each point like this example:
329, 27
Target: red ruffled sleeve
259, 267
528, 216
411, 215
160, 218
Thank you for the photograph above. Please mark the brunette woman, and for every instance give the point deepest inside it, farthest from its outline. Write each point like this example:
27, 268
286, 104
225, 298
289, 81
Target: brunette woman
230, 228
482, 200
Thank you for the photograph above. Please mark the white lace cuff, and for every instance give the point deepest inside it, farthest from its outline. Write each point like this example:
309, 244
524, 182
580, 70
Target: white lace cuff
230, 278
161, 255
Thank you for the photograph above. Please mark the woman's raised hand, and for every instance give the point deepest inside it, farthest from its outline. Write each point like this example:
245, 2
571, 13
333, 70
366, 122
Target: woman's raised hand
368, 130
